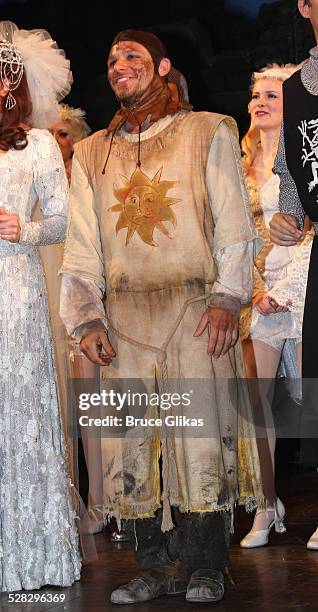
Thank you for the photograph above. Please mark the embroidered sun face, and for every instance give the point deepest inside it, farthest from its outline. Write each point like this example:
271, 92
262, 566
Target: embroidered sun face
144, 206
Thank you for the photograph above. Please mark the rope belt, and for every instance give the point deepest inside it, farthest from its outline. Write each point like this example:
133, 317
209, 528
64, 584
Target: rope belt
161, 362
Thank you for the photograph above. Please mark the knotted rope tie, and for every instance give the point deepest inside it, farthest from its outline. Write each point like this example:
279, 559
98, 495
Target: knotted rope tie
162, 368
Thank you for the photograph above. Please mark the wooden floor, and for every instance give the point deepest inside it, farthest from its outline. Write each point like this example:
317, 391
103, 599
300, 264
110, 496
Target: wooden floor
280, 576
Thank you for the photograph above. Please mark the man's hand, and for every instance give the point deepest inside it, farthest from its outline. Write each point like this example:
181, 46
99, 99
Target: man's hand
97, 348
9, 226
284, 230
222, 328
266, 305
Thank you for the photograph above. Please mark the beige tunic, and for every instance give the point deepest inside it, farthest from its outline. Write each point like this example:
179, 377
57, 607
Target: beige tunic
149, 238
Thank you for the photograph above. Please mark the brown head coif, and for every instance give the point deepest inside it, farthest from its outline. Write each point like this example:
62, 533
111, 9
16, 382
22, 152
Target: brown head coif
148, 40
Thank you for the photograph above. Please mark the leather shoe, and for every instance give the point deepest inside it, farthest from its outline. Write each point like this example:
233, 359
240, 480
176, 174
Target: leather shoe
166, 579
178, 579
205, 586
271, 517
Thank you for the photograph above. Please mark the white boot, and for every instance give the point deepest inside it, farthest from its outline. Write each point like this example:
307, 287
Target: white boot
312, 543
264, 520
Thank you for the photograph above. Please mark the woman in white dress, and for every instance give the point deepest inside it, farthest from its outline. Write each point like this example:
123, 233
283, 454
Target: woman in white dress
38, 537
273, 318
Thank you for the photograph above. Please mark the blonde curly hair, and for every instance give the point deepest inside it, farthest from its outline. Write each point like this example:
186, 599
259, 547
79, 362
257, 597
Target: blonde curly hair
75, 118
251, 139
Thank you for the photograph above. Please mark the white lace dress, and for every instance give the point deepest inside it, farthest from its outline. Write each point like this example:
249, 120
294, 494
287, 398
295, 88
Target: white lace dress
283, 272
38, 538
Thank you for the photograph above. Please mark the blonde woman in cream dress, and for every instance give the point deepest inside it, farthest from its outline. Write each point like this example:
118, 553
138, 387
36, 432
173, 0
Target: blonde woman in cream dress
280, 275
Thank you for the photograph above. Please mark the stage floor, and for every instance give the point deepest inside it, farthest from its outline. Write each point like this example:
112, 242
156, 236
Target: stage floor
280, 576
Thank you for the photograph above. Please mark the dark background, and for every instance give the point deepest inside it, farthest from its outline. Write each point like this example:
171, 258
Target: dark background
216, 44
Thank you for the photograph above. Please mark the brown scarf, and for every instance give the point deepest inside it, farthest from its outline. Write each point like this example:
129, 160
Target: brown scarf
159, 100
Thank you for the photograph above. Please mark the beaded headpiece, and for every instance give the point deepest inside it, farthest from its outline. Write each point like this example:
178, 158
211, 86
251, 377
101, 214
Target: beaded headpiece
47, 71
11, 70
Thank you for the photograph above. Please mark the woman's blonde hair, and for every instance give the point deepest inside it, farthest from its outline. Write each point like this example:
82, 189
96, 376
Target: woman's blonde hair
75, 118
251, 139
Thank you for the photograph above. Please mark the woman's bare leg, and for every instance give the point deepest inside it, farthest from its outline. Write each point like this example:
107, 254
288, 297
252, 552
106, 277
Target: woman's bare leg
85, 369
299, 348
261, 362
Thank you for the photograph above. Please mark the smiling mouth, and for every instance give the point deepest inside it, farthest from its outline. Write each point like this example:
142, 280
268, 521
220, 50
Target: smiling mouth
123, 79
261, 113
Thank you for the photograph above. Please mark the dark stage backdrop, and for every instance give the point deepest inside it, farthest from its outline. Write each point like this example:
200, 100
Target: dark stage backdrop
216, 44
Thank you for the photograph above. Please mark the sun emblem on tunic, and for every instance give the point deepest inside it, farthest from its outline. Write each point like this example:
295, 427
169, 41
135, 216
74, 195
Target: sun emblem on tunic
144, 206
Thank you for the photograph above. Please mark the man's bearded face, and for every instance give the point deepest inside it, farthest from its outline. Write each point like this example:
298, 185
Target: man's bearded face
130, 71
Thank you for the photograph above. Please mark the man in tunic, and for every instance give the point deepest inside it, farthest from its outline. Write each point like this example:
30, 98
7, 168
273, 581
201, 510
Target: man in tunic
297, 166
160, 224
